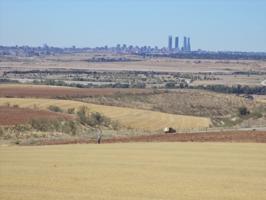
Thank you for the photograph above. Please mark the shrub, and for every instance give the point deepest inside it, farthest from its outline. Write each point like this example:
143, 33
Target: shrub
1, 132
55, 108
22, 127
115, 125
71, 110
45, 125
42, 124
243, 111
70, 127
93, 119
82, 114
170, 85
96, 119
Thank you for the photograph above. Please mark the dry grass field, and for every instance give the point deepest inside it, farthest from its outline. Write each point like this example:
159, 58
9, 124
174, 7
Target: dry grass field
135, 171
180, 101
128, 117
230, 80
261, 99
77, 61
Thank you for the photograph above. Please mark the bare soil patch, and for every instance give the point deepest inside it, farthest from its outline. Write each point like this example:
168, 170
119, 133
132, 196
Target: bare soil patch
57, 92
234, 136
13, 116
229, 136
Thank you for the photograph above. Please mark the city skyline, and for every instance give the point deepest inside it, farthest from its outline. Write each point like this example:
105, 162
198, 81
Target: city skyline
142, 23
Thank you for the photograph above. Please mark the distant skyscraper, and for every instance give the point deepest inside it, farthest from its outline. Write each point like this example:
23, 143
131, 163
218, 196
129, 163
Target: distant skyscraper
170, 42
176, 43
188, 44
185, 44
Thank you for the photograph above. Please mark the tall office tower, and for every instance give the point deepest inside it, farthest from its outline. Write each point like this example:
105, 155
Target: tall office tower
170, 42
185, 44
176, 43
188, 44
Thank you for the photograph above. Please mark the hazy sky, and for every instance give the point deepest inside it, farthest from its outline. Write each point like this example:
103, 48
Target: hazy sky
211, 24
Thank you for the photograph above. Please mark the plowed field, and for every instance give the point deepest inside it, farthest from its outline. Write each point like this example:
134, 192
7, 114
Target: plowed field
229, 136
12, 116
14, 90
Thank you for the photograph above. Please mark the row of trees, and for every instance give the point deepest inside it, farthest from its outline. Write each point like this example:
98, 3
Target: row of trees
89, 85
259, 90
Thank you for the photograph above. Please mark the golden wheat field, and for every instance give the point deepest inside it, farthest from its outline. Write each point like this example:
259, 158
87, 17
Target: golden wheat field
128, 117
135, 171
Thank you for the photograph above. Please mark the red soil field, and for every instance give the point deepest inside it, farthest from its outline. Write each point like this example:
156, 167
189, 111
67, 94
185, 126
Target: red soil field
229, 136
57, 92
13, 116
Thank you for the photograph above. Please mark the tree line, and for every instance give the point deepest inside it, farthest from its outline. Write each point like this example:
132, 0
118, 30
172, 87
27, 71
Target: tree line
238, 89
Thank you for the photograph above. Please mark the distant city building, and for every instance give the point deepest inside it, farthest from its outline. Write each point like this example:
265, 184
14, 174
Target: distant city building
184, 52
176, 43
185, 44
170, 42
188, 44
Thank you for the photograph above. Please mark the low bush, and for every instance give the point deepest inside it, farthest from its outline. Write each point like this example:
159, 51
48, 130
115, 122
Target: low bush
71, 110
243, 111
1, 132
94, 119
45, 125
55, 108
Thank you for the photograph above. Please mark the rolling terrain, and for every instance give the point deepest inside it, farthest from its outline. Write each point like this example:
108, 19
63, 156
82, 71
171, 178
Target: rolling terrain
127, 117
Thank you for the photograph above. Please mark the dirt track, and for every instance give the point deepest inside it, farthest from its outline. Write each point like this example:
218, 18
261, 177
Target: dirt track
233, 136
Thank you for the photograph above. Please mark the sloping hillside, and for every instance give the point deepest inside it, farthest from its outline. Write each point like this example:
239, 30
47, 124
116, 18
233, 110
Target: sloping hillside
128, 117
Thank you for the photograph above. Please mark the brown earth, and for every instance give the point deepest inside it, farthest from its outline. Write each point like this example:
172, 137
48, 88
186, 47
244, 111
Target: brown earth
21, 91
232, 136
13, 115
229, 136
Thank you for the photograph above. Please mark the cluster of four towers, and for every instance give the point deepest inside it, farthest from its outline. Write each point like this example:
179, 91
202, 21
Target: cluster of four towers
186, 44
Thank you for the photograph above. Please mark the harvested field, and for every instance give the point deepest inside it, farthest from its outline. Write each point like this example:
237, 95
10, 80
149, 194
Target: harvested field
78, 61
184, 171
13, 116
260, 98
42, 91
128, 117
